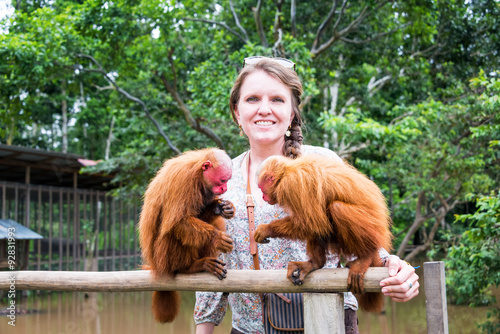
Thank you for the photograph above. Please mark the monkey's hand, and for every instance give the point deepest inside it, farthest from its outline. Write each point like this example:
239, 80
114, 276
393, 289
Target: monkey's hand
223, 242
297, 271
224, 208
262, 234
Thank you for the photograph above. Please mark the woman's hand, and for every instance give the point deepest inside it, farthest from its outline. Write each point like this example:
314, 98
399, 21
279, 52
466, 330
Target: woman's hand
402, 283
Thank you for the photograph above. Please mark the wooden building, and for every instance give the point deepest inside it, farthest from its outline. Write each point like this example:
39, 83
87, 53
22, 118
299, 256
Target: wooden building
82, 226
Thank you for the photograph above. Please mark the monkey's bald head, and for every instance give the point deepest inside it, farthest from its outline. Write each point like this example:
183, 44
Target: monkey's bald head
217, 170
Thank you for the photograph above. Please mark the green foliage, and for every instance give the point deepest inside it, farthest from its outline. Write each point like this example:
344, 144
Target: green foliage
473, 264
408, 92
436, 150
388, 88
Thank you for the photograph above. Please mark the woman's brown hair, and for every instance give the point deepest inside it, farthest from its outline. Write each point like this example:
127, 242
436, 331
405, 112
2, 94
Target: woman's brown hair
289, 78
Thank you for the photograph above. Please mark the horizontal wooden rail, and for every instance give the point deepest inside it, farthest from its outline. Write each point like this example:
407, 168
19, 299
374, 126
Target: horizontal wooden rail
323, 280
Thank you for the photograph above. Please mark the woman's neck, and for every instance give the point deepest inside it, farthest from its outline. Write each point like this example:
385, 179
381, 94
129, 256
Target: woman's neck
256, 155
259, 153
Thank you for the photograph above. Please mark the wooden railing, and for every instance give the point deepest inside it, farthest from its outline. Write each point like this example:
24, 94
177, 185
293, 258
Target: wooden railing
323, 304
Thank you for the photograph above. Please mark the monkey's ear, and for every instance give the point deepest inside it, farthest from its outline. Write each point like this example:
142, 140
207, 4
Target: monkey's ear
270, 177
206, 165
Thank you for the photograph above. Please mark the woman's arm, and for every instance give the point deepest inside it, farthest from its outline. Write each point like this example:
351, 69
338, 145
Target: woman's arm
205, 328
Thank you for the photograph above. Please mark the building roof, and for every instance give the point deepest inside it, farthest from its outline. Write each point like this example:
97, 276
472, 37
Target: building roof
20, 232
48, 168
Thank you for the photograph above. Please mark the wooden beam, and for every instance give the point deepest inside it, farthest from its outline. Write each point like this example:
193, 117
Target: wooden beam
27, 201
323, 280
43, 164
27, 178
435, 298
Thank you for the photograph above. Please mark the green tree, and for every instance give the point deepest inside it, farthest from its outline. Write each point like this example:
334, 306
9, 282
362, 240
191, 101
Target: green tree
473, 264
437, 153
386, 86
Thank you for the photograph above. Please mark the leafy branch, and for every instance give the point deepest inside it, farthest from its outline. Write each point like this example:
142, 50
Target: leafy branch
224, 25
258, 23
171, 88
319, 47
130, 97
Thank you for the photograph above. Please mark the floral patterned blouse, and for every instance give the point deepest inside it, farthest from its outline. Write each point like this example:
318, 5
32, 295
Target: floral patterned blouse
246, 307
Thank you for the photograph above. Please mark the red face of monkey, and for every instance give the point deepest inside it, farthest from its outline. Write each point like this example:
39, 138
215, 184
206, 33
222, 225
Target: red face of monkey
268, 174
265, 184
217, 178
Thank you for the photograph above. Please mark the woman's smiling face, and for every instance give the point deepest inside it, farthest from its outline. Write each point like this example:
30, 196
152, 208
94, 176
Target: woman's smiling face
264, 109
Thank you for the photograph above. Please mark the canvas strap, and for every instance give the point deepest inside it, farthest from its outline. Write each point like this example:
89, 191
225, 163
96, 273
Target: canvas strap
251, 227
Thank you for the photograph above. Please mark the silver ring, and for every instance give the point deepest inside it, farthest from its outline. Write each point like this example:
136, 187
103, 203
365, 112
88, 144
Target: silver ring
411, 285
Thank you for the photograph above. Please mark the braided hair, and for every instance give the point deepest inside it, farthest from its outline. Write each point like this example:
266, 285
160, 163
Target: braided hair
289, 78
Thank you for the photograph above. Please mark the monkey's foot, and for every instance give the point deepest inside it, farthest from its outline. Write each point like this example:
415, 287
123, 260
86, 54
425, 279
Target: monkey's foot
209, 264
357, 269
355, 283
216, 267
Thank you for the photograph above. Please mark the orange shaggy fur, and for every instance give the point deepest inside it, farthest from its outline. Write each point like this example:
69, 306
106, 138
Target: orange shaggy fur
332, 206
179, 230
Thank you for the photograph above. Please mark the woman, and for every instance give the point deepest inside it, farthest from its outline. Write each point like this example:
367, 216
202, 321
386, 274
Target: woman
265, 103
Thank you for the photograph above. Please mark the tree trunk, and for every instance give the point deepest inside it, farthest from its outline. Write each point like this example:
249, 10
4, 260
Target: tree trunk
12, 128
110, 138
64, 125
419, 221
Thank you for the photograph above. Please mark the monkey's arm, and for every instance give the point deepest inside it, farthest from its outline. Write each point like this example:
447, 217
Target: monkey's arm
193, 232
316, 251
280, 228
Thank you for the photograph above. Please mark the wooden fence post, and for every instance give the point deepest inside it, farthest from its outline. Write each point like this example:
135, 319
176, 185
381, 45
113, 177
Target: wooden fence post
324, 313
435, 298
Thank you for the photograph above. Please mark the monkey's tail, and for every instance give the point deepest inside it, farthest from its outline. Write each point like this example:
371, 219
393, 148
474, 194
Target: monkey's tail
166, 305
372, 302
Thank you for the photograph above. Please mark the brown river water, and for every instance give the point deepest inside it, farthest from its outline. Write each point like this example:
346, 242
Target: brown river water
130, 313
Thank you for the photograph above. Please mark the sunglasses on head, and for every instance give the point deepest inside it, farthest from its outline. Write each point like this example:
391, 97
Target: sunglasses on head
282, 61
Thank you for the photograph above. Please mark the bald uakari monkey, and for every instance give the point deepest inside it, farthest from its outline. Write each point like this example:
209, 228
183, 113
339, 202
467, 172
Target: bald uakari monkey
182, 226
333, 207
